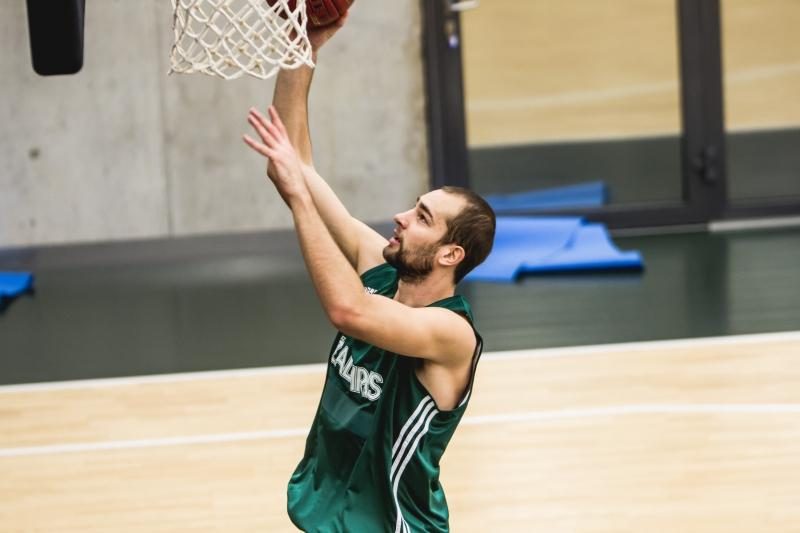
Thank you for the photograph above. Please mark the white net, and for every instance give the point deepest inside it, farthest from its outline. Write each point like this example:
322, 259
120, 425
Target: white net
229, 38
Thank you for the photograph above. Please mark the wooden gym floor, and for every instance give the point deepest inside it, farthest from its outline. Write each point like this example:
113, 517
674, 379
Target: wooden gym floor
693, 435
681, 435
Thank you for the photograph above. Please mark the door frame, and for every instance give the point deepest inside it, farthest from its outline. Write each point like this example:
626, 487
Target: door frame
703, 162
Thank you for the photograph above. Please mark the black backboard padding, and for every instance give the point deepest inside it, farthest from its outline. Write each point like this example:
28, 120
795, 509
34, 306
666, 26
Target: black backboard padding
56, 35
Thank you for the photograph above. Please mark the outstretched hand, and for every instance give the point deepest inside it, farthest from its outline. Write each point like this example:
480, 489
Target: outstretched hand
288, 176
319, 36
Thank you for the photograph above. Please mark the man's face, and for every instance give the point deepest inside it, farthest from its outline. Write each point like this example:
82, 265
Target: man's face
415, 244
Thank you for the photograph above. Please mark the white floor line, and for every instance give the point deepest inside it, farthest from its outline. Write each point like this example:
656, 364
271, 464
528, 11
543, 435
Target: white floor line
315, 368
601, 349
77, 447
517, 418
640, 409
318, 368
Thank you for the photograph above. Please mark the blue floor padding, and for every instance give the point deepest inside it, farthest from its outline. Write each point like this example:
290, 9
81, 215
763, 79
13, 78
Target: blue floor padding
590, 194
14, 283
550, 244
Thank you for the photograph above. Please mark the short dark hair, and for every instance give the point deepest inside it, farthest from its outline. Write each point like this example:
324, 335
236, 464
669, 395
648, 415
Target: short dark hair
472, 229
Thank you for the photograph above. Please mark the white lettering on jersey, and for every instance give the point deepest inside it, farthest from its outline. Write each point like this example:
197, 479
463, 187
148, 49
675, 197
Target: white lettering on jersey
361, 380
347, 371
374, 389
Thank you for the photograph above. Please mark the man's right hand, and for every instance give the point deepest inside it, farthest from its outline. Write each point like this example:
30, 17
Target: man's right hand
319, 36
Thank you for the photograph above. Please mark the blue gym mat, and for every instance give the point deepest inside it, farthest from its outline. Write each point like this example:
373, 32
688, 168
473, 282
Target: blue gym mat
550, 244
13, 284
589, 194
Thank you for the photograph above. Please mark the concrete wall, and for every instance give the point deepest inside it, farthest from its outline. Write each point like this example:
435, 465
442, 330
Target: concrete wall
123, 151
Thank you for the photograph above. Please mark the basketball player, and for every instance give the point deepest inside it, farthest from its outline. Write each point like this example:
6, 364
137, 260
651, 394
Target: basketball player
401, 367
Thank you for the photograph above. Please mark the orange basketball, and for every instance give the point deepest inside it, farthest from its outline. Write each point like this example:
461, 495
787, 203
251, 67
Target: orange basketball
321, 12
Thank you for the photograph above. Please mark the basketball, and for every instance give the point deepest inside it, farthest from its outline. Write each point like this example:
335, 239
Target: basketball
321, 12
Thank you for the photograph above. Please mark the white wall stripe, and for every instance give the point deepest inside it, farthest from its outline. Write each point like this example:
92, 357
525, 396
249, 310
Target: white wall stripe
723, 226
504, 418
319, 368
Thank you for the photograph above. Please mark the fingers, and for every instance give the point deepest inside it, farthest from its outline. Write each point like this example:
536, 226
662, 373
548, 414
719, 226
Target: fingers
276, 119
266, 136
281, 136
276, 144
259, 116
262, 121
274, 126
258, 147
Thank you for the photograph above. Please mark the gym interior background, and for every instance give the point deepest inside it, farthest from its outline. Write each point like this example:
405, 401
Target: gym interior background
158, 248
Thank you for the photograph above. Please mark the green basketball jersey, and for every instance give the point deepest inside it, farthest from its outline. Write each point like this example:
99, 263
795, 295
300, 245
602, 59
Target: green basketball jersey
371, 460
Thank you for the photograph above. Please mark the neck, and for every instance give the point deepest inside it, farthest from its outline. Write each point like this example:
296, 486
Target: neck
425, 292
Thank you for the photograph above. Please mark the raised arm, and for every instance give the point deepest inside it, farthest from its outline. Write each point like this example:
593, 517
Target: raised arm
361, 245
291, 100
431, 333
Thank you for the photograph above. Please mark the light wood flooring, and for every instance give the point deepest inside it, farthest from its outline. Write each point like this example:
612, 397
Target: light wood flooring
695, 435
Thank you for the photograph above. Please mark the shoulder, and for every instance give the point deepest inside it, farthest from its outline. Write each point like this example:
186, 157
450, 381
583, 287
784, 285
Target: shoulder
458, 305
457, 314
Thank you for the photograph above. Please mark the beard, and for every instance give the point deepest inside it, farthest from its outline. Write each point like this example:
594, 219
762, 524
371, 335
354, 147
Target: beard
411, 266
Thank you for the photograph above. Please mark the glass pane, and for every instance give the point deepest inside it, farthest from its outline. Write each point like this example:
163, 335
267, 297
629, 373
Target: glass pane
563, 93
761, 61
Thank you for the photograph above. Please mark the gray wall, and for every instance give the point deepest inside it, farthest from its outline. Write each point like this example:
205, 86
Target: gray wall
122, 151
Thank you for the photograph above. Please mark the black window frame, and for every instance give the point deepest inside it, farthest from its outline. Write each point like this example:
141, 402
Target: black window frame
703, 136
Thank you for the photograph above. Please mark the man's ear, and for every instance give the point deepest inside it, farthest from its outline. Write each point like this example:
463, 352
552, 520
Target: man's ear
452, 254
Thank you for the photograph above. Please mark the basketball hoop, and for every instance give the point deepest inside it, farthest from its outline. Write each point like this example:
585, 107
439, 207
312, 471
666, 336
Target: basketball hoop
229, 38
